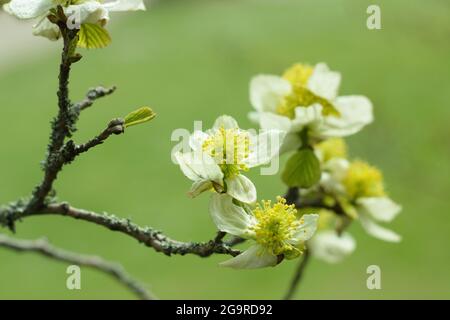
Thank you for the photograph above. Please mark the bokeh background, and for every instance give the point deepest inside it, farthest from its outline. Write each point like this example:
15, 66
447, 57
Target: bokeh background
192, 60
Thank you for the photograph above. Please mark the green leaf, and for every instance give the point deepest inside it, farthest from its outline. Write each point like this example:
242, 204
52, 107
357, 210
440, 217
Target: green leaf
93, 36
302, 169
139, 116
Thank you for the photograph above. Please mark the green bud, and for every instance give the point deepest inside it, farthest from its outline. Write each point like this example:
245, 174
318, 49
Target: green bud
139, 116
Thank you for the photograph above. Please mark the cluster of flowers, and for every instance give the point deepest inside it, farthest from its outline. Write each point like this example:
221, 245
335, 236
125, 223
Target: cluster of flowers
300, 110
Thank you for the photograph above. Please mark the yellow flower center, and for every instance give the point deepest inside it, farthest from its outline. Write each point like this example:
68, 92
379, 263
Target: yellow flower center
230, 148
363, 180
333, 148
298, 75
276, 225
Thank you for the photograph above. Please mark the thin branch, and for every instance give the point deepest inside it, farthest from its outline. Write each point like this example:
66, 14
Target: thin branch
146, 235
115, 270
92, 95
297, 276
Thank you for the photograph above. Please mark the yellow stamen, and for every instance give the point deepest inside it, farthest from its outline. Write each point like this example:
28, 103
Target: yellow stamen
363, 180
276, 225
333, 148
230, 148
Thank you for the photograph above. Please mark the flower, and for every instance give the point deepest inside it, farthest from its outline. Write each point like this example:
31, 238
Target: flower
219, 155
84, 11
305, 97
362, 184
276, 230
330, 247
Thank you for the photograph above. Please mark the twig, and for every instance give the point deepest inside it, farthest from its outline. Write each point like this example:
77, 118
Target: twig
297, 276
92, 95
146, 235
41, 246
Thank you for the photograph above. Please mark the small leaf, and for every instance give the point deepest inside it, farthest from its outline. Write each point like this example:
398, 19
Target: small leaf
139, 116
302, 169
93, 36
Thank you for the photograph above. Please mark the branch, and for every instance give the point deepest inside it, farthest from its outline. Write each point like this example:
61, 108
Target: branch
91, 96
297, 276
146, 235
41, 246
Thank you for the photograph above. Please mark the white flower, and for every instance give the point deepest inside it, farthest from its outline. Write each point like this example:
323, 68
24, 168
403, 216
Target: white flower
330, 247
306, 97
363, 185
220, 154
276, 230
83, 11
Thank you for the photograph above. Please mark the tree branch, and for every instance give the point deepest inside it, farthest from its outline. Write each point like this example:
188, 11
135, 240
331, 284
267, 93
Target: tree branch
41, 246
146, 235
92, 95
297, 276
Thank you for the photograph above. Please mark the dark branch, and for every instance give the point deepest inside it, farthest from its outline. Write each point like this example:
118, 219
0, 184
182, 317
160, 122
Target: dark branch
91, 96
297, 276
146, 235
41, 246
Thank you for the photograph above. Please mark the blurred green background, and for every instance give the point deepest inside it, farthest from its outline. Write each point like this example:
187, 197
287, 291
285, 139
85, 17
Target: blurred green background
192, 60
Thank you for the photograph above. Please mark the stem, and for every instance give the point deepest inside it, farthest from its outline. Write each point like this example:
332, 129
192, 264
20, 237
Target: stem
298, 275
41, 246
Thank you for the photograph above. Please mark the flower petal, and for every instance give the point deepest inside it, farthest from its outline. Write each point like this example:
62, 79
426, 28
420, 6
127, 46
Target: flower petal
87, 12
226, 122
254, 257
377, 231
199, 187
330, 247
291, 142
268, 120
379, 208
229, 217
26, 9
355, 113
267, 92
241, 188
46, 29
197, 139
324, 82
306, 230
266, 145
199, 166
307, 116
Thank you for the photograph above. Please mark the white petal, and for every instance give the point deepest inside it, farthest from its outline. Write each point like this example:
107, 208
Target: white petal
307, 116
264, 147
330, 247
199, 187
355, 113
324, 82
268, 120
46, 29
334, 172
197, 139
268, 91
28, 9
125, 5
377, 231
229, 217
87, 12
291, 142
254, 257
198, 166
226, 122
241, 188
306, 229
379, 208
253, 116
